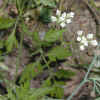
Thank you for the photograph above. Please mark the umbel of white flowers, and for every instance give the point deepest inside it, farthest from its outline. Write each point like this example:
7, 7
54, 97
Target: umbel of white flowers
63, 19
86, 40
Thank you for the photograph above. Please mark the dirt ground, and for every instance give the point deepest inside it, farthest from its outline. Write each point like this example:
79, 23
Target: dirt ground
84, 20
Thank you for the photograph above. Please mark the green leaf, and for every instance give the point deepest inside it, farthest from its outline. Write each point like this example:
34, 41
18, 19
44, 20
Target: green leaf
47, 83
36, 37
53, 35
25, 29
31, 71
1, 44
11, 42
40, 93
10, 94
97, 98
64, 74
6, 22
47, 98
59, 92
60, 83
45, 15
3, 66
3, 98
58, 52
50, 3
38, 42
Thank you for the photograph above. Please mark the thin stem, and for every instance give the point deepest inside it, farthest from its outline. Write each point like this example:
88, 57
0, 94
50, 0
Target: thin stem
19, 53
36, 52
61, 5
20, 47
45, 61
90, 67
77, 89
84, 80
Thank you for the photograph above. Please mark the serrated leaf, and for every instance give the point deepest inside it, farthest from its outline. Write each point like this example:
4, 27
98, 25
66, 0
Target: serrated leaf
53, 35
64, 74
58, 52
6, 22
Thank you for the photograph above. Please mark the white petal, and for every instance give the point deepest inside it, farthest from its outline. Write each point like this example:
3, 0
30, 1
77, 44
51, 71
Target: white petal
58, 12
61, 19
85, 43
90, 36
80, 32
82, 47
27, 19
84, 39
62, 24
68, 21
64, 14
78, 38
53, 18
94, 42
71, 14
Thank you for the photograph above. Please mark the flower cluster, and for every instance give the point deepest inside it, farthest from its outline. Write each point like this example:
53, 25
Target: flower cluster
62, 19
86, 40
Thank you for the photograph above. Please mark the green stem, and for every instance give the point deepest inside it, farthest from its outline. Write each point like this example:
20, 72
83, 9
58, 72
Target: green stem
19, 53
4, 6
61, 4
85, 79
90, 67
42, 55
45, 61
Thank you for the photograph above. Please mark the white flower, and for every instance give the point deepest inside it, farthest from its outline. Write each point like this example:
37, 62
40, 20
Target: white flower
80, 32
78, 38
85, 43
90, 36
84, 38
63, 24
61, 19
27, 19
64, 14
82, 47
68, 21
94, 42
71, 14
53, 18
58, 12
